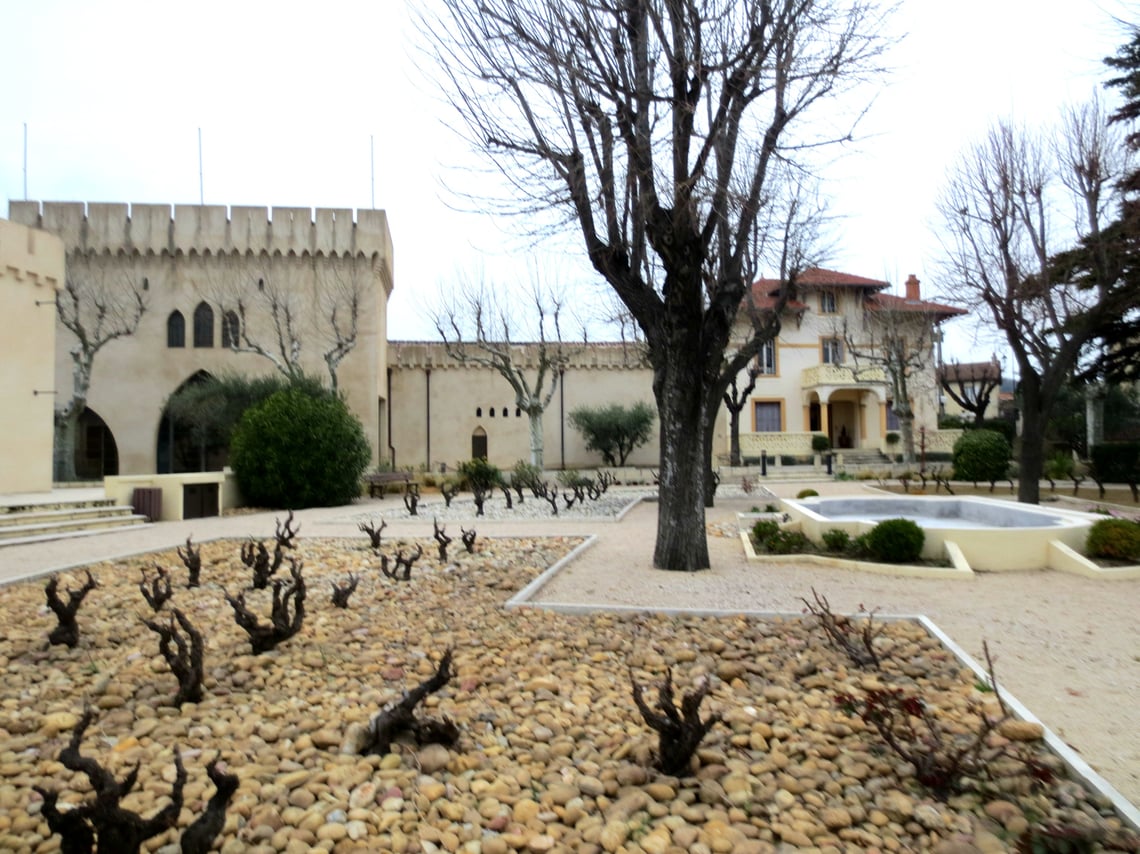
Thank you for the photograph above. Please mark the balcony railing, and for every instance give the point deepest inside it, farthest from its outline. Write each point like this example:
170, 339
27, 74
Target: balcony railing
842, 375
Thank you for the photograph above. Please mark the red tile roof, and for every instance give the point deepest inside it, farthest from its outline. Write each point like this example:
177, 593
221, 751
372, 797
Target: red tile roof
970, 371
817, 277
890, 302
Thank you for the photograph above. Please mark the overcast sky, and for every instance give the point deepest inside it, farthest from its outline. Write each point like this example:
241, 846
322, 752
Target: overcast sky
289, 95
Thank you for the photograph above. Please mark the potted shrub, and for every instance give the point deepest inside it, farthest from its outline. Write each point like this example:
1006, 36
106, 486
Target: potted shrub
892, 440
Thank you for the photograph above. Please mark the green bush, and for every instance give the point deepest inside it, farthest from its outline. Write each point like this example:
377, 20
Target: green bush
763, 530
1115, 539
571, 478
299, 448
526, 476
614, 431
820, 443
836, 540
1116, 462
981, 455
768, 536
480, 474
891, 439
788, 542
895, 541
806, 493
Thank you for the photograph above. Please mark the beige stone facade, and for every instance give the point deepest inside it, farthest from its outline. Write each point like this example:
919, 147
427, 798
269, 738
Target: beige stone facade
444, 411
196, 266
813, 379
191, 264
31, 269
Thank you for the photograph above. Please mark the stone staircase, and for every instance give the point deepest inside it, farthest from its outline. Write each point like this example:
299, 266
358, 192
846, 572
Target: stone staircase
53, 516
863, 458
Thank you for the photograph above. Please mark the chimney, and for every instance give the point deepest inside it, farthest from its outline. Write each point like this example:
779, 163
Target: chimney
912, 288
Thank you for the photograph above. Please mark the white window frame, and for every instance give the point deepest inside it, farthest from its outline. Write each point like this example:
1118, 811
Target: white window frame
766, 359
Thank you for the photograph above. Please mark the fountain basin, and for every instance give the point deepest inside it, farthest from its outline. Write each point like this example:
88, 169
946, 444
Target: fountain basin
990, 534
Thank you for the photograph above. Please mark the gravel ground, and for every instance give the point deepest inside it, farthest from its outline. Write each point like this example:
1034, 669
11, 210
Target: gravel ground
552, 755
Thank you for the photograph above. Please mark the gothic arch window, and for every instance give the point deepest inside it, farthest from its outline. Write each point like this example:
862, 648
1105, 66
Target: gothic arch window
504, 412
478, 411
231, 329
176, 329
203, 326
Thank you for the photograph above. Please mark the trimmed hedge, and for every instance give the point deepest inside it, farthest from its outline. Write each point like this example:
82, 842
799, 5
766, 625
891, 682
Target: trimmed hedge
1115, 539
299, 448
981, 455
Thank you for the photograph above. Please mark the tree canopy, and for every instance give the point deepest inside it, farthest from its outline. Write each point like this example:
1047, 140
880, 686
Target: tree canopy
661, 132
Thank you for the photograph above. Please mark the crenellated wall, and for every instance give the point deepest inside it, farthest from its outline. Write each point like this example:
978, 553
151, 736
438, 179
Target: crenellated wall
31, 270
186, 229
179, 258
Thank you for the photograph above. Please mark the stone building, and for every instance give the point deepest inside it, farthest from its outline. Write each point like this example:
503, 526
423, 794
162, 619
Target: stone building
279, 284
211, 275
445, 411
31, 269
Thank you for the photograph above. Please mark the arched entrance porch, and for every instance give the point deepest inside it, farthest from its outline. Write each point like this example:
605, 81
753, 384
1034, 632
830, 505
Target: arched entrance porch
849, 417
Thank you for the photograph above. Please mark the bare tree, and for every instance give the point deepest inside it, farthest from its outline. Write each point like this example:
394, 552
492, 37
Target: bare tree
652, 126
734, 400
897, 339
273, 309
789, 236
478, 329
971, 385
1008, 199
96, 306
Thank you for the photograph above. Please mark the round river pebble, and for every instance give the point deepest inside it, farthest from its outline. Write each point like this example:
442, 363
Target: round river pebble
552, 754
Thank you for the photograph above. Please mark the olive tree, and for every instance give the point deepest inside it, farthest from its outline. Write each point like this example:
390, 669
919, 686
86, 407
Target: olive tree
654, 128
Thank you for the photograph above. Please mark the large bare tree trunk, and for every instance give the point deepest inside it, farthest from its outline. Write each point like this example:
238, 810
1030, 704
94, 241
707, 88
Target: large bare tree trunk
681, 539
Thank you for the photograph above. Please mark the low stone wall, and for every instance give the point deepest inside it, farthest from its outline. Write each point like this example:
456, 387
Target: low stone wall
121, 489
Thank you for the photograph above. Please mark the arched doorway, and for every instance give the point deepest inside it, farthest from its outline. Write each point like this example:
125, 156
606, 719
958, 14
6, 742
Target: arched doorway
96, 454
184, 446
479, 444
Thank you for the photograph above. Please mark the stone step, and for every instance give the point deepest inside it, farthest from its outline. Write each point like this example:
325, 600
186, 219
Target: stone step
55, 514
52, 519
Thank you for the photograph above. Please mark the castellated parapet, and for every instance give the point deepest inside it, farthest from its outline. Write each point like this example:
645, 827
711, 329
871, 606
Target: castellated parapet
215, 229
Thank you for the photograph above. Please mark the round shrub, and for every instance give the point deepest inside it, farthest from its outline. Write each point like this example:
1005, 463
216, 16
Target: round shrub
981, 455
896, 541
806, 493
836, 540
820, 443
1115, 539
299, 449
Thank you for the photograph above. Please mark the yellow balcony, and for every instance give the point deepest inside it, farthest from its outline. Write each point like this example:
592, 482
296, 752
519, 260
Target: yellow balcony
842, 375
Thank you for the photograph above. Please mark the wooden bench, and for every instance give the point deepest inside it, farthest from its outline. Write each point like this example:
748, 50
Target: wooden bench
378, 481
